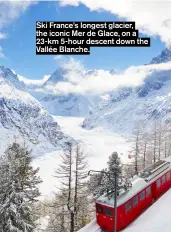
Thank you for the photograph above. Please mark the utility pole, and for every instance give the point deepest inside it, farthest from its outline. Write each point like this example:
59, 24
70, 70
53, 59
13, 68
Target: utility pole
115, 189
115, 202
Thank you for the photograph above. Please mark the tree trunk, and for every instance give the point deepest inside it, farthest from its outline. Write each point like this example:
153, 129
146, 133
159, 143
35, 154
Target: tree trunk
136, 154
72, 221
76, 185
144, 155
165, 149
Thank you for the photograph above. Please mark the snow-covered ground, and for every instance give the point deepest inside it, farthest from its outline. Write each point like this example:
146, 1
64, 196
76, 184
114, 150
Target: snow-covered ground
91, 227
154, 219
47, 164
42, 224
98, 145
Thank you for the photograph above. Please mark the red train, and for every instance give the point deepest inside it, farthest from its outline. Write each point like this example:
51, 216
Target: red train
146, 188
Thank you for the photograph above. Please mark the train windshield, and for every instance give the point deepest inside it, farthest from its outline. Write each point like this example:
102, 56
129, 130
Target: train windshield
99, 209
109, 212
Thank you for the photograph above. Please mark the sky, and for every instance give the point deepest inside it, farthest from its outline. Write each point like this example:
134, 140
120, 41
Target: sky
18, 23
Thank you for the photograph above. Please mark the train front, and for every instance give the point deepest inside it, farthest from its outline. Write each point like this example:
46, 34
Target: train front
105, 217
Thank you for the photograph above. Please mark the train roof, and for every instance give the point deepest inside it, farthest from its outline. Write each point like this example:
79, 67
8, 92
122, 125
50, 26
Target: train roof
147, 177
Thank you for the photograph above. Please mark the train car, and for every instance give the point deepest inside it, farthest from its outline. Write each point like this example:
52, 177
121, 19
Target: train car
146, 188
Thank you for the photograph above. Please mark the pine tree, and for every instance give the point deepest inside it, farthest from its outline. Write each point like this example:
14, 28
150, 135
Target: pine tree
85, 213
144, 147
115, 168
58, 215
136, 149
97, 183
64, 173
18, 190
104, 182
72, 173
80, 186
154, 137
140, 141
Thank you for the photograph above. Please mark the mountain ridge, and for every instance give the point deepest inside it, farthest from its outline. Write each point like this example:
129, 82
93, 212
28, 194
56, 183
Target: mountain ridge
164, 56
150, 101
22, 115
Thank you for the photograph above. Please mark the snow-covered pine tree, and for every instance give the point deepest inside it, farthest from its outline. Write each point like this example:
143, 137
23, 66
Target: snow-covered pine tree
18, 190
97, 183
139, 147
80, 183
104, 181
72, 173
167, 139
65, 174
58, 214
85, 213
154, 140
144, 147
115, 168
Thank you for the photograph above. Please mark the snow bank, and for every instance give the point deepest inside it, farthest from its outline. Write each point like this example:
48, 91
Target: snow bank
155, 219
91, 227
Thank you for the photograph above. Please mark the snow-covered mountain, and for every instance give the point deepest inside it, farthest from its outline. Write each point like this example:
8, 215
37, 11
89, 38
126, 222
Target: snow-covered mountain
69, 104
22, 117
63, 102
124, 106
165, 56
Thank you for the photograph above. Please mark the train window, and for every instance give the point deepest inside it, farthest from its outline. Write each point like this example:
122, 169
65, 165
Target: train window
158, 183
168, 176
142, 195
128, 206
99, 209
109, 212
135, 201
163, 179
148, 191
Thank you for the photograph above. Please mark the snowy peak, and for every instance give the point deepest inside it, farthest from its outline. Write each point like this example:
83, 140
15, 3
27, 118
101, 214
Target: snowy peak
9, 77
69, 104
165, 56
57, 76
7, 73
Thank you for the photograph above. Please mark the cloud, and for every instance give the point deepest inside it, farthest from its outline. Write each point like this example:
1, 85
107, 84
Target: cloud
2, 36
11, 10
82, 81
152, 17
72, 64
30, 82
72, 69
68, 2
1, 53
68, 62
79, 80
105, 97
58, 57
